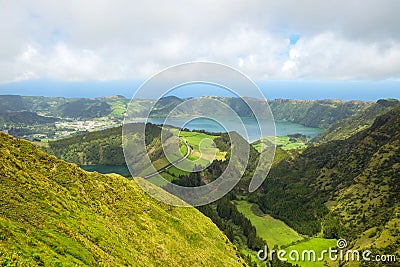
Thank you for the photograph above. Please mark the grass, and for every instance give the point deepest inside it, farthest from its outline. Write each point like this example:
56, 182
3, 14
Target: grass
274, 231
284, 142
55, 214
202, 146
177, 172
316, 244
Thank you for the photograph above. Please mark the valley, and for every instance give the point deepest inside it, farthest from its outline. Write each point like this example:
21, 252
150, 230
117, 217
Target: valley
323, 185
200, 133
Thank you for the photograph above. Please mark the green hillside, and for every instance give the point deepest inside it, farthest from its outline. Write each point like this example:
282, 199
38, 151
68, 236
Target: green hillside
55, 214
351, 186
359, 121
100, 147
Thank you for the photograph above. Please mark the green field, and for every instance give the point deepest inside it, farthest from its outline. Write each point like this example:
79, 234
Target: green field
174, 171
203, 150
274, 231
197, 140
316, 244
284, 142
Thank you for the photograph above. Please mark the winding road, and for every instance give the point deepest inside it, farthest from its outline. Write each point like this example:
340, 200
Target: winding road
189, 150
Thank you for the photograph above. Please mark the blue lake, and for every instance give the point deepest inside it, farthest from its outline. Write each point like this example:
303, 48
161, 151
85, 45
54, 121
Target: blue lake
282, 127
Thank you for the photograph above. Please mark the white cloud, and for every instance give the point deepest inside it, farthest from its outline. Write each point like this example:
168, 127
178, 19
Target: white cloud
104, 40
328, 56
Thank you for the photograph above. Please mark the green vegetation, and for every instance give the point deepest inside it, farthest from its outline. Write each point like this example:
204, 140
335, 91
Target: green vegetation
84, 109
54, 117
101, 147
356, 177
315, 244
55, 214
279, 235
105, 148
164, 106
294, 141
118, 169
207, 151
343, 185
361, 120
274, 231
315, 113
109, 111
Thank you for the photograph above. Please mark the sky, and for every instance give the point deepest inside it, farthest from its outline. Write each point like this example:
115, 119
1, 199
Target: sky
301, 49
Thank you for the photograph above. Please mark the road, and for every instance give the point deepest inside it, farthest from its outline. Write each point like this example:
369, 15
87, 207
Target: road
172, 163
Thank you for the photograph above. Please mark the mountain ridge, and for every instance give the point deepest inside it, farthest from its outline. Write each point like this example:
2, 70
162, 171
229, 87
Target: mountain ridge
55, 214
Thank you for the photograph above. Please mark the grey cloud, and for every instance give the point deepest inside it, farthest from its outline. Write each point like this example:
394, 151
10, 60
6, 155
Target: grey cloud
78, 40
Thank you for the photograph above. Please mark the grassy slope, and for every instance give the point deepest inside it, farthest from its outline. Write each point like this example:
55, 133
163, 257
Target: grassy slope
55, 214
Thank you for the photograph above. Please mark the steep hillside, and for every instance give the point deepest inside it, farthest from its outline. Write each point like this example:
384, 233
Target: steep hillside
104, 147
359, 121
100, 147
55, 214
358, 181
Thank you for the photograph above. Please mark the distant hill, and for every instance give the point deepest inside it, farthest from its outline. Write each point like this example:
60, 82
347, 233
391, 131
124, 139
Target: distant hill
24, 118
55, 214
10, 103
312, 113
357, 179
35, 116
359, 121
84, 109
77, 108
165, 105
315, 113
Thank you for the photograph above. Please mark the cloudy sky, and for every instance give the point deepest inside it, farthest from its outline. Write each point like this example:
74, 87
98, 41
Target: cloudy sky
100, 40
